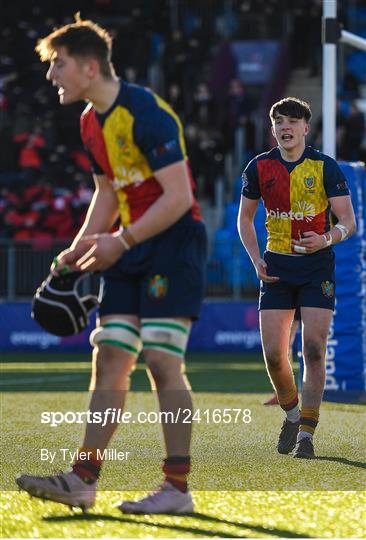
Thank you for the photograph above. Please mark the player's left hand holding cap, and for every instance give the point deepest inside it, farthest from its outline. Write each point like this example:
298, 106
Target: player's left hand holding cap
55, 267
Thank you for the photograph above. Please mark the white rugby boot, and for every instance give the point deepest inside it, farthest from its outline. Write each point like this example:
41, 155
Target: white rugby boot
66, 488
166, 500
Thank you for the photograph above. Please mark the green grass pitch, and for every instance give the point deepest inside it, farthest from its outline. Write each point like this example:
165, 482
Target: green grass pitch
242, 488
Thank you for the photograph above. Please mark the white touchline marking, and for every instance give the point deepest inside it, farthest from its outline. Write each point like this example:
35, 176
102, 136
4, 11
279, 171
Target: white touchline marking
41, 379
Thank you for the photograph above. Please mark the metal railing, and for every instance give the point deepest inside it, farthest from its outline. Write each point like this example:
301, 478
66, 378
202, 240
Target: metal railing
24, 265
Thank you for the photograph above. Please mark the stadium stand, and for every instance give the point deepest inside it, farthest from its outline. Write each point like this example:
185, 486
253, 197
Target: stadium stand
179, 49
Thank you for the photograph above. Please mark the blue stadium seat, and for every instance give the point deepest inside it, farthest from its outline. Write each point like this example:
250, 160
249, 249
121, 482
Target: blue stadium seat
223, 244
231, 216
215, 272
229, 260
356, 64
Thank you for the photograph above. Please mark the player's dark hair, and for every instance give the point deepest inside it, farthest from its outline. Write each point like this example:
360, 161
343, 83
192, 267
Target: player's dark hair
291, 106
81, 39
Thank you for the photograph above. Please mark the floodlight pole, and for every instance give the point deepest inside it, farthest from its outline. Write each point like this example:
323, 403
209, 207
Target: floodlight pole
330, 36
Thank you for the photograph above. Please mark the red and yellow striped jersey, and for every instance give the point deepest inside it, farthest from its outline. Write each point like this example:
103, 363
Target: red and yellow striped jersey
295, 194
139, 134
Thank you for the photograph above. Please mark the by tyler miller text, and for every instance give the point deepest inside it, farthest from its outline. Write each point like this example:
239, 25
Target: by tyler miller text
70, 456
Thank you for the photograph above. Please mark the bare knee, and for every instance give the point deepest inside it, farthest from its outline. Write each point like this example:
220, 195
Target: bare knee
314, 352
111, 367
163, 369
275, 360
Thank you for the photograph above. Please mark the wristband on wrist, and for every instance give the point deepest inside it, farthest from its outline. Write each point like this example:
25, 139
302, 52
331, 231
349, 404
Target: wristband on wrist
126, 239
127, 235
124, 243
328, 241
344, 231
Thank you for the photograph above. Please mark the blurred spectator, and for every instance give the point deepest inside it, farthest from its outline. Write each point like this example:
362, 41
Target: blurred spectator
350, 89
130, 74
8, 153
316, 132
193, 148
350, 131
175, 59
353, 134
175, 99
236, 110
23, 120
59, 221
206, 155
203, 110
31, 152
211, 162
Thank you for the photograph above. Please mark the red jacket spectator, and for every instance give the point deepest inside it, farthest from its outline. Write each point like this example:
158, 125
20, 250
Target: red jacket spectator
29, 155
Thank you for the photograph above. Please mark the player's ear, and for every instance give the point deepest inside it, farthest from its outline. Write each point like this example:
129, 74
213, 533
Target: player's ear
307, 129
91, 67
273, 131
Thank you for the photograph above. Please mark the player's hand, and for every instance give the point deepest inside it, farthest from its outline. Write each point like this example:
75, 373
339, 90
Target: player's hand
102, 250
261, 269
66, 260
310, 243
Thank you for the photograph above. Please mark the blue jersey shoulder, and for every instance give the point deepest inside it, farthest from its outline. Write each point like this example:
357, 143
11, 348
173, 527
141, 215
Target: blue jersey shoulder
137, 99
314, 154
156, 130
270, 154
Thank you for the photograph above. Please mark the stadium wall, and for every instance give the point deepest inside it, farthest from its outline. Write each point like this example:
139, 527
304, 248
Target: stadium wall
346, 348
223, 327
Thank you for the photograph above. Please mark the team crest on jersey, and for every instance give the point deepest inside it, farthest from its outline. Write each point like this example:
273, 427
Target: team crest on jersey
309, 182
120, 142
328, 289
158, 287
124, 148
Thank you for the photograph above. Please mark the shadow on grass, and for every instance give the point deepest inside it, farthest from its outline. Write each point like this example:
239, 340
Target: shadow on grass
344, 461
136, 520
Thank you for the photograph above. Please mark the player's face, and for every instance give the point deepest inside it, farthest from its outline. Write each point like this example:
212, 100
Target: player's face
70, 75
289, 132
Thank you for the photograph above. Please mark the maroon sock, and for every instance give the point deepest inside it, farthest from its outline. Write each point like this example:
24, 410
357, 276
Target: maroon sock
176, 469
87, 469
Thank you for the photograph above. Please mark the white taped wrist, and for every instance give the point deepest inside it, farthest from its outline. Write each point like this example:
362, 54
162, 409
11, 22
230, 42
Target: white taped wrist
328, 242
300, 249
343, 229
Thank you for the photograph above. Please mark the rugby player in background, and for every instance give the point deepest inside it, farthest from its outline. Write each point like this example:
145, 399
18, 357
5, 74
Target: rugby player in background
299, 186
153, 267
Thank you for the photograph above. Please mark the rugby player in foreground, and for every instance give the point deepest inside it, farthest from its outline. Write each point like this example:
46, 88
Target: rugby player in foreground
153, 267
299, 187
